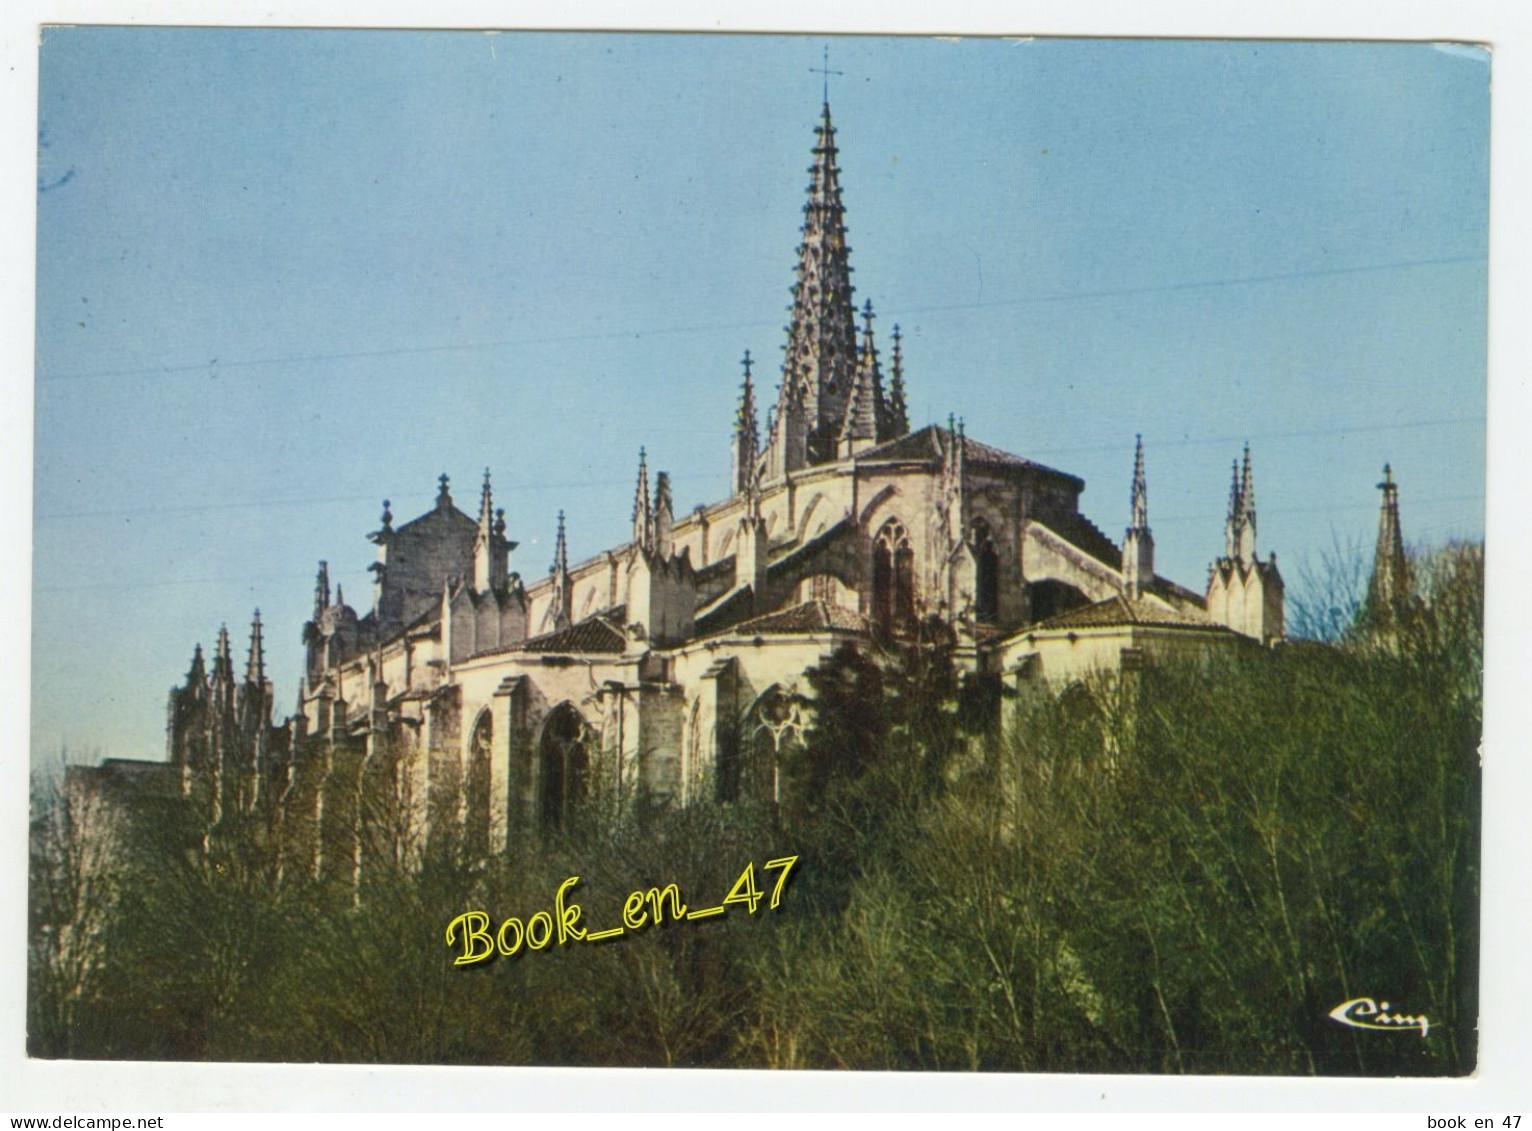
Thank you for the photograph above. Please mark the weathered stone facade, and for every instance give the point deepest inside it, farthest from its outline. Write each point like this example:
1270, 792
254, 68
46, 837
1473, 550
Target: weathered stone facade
472, 707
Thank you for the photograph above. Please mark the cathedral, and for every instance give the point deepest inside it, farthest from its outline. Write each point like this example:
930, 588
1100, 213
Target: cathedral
669, 668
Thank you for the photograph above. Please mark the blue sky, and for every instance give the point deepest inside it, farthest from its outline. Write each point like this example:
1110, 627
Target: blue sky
283, 275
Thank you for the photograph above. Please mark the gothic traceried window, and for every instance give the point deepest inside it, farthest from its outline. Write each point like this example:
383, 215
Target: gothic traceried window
893, 577
771, 726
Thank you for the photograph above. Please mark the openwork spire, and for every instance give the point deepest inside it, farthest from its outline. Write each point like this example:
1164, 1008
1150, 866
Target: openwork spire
1390, 584
820, 362
255, 666
897, 417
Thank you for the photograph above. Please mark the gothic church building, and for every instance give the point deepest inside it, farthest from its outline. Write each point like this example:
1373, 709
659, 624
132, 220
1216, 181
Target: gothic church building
670, 667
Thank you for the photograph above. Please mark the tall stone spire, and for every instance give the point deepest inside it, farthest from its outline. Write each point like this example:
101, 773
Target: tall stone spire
196, 675
1244, 592
1231, 519
558, 610
223, 660
560, 550
864, 408
1138, 543
820, 362
643, 511
491, 552
1390, 584
747, 437
1240, 526
1246, 546
896, 420
664, 515
486, 506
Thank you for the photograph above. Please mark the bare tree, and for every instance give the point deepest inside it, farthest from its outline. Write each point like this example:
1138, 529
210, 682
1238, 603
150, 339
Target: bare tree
75, 880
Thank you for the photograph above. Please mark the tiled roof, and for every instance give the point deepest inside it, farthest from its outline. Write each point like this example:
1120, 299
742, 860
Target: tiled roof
1119, 611
811, 616
928, 444
596, 633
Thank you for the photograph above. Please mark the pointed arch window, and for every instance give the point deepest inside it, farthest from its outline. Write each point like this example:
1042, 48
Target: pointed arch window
986, 587
893, 577
564, 765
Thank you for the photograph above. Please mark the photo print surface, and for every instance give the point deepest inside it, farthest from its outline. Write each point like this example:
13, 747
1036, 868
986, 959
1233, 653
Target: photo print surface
766, 552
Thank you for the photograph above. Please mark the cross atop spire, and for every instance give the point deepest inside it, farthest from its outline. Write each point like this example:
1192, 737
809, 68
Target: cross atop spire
824, 69
443, 495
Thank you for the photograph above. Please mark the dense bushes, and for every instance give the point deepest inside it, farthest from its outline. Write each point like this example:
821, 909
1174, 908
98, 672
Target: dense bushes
1179, 870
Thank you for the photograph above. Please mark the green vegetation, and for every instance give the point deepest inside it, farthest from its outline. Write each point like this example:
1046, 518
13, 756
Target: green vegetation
1177, 870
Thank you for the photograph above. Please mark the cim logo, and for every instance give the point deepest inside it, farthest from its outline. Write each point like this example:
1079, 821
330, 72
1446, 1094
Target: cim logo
1365, 1013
